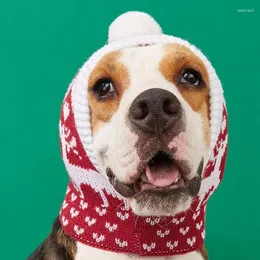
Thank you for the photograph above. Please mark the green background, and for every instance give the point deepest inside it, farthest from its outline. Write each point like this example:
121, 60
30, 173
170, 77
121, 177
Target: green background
44, 42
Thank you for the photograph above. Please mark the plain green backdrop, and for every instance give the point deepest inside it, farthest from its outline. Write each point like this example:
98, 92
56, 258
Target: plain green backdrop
44, 42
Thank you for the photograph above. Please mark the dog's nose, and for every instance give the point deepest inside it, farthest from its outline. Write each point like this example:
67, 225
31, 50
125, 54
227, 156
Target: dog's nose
155, 111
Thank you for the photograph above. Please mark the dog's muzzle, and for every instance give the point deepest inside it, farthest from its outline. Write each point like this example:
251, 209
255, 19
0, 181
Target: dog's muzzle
130, 190
157, 117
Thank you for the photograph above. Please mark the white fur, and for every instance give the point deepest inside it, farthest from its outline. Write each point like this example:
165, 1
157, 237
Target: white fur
115, 143
143, 65
146, 210
86, 252
132, 24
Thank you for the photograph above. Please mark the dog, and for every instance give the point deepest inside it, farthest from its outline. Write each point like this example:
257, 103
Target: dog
149, 155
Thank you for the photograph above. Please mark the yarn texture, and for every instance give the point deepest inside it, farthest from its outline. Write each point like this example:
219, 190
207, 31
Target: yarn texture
92, 211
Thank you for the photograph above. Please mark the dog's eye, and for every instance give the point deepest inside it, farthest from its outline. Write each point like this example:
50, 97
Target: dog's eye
103, 88
190, 76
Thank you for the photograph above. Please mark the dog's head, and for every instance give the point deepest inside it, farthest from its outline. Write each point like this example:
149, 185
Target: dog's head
148, 112
150, 123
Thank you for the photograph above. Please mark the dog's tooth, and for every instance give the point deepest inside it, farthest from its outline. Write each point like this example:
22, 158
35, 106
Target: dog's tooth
144, 177
176, 180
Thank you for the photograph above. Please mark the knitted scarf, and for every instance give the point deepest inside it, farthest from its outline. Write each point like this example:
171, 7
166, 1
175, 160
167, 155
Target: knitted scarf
93, 213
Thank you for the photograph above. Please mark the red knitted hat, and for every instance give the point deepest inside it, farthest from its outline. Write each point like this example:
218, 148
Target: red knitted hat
93, 213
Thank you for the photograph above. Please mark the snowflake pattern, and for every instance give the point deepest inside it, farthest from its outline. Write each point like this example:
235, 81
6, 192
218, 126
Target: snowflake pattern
92, 214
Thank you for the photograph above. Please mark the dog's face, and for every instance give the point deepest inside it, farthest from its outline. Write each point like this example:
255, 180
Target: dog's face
150, 122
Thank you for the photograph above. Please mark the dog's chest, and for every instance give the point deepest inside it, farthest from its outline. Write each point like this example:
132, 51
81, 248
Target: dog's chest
90, 253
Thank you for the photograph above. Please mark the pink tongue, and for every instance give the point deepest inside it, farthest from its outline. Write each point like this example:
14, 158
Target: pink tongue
161, 175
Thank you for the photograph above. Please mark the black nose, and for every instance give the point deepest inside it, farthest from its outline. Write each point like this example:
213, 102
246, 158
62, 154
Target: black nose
155, 111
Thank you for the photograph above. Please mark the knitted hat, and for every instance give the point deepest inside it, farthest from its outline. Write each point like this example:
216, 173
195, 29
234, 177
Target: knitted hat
93, 213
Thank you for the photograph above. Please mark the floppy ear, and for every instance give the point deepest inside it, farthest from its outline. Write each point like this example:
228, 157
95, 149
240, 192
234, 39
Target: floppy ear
39, 253
58, 246
204, 252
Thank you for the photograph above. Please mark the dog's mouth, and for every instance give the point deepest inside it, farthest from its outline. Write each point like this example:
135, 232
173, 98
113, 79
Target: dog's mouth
161, 174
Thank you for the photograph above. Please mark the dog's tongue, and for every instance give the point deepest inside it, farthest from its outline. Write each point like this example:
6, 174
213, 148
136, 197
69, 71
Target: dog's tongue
162, 175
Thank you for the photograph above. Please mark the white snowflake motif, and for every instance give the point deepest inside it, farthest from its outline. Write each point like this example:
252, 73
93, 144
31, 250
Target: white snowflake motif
198, 225
178, 221
162, 234
83, 205
98, 238
152, 222
122, 216
66, 110
121, 244
74, 212
149, 247
195, 215
100, 212
78, 231
191, 241
71, 144
184, 231
110, 227
171, 245
90, 221
73, 197
64, 204
65, 221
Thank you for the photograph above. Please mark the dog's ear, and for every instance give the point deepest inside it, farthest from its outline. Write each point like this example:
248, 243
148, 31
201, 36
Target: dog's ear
58, 245
203, 252
39, 253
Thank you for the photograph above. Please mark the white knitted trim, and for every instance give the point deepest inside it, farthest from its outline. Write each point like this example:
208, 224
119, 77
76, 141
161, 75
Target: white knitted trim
80, 86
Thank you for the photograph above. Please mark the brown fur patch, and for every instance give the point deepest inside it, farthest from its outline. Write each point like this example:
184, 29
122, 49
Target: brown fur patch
176, 58
108, 67
65, 241
58, 245
203, 252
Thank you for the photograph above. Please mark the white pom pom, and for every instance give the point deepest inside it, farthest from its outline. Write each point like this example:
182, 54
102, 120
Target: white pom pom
132, 24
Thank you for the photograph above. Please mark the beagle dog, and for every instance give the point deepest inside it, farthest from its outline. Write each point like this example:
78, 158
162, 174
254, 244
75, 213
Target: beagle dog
154, 152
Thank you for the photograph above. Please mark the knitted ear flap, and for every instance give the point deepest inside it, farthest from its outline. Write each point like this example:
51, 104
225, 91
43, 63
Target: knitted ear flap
92, 212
